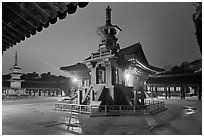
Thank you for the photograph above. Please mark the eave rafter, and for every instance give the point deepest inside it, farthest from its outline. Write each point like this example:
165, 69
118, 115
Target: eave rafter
23, 19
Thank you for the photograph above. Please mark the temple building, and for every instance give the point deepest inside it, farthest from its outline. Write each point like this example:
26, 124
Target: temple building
112, 76
184, 83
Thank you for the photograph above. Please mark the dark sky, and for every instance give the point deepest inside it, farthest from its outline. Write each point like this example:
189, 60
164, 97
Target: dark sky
165, 30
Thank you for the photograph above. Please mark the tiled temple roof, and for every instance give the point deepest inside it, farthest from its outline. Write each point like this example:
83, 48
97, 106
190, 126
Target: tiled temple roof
176, 79
135, 50
21, 20
76, 67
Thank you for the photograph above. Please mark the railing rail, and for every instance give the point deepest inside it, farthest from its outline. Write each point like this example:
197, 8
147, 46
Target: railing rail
16, 97
101, 54
150, 107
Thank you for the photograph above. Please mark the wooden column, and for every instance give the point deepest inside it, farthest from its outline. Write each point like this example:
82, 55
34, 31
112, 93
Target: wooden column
142, 96
78, 97
199, 91
53, 92
165, 92
93, 76
135, 97
108, 74
184, 92
181, 92
152, 92
39, 92
33, 92
156, 92
120, 75
29, 92
169, 92
92, 96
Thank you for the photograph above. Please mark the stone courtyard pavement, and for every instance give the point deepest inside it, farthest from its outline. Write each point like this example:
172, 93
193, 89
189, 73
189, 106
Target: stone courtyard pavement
37, 117
177, 120
173, 121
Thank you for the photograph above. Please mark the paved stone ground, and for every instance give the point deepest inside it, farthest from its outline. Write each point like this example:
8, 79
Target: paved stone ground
172, 121
175, 120
30, 117
37, 117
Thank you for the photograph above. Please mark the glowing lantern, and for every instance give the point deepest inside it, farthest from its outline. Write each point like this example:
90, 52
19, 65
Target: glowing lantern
75, 79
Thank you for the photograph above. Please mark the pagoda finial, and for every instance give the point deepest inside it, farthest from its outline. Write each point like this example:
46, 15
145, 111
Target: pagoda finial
108, 16
16, 59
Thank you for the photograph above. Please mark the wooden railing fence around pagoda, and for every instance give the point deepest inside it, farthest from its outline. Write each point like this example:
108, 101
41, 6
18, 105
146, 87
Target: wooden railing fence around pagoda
150, 107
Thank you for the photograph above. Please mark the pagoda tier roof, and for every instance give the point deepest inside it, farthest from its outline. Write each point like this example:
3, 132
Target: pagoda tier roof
21, 20
15, 67
176, 79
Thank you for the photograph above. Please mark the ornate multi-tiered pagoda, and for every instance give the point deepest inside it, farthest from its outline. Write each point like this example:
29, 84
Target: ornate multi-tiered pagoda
112, 76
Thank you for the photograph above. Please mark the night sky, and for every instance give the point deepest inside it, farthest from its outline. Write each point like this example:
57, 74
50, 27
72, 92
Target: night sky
165, 31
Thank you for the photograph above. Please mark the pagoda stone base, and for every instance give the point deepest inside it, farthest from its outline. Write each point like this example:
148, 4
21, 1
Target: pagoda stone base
15, 84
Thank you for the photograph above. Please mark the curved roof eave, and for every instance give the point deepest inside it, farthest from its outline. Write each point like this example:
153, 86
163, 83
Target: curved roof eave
21, 20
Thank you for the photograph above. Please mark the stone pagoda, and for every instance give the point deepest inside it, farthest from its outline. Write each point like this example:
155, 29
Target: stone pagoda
15, 81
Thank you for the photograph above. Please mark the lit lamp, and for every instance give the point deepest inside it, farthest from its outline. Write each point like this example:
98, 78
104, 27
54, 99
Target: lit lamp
127, 76
75, 79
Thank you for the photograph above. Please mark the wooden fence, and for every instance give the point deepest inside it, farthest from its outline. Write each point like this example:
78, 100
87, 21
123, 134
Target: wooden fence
150, 107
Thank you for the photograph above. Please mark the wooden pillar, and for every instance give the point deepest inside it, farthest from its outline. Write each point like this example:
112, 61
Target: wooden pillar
53, 92
181, 92
78, 96
184, 92
39, 92
92, 96
169, 92
120, 75
108, 74
93, 76
84, 92
199, 91
142, 96
156, 92
152, 92
175, 92
165, 92
135, 97
33, 92
29, 92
